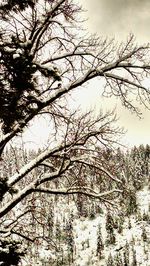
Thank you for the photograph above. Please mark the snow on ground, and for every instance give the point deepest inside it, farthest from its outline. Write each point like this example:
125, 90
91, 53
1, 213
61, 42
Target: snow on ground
85, 233
143, 200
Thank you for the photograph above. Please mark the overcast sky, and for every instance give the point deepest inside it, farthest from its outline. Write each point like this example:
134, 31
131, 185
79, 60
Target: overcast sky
118, 18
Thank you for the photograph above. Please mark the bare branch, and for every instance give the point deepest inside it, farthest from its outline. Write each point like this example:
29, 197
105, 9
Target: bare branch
78, 190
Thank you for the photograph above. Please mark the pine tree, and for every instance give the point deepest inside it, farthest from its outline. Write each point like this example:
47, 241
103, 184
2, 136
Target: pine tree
118, 260
134, 261
70, 240
10, 253
118, 223
131, 207
15, 5
92, 211
144, 234
110, 261
126, 255
110, 229
58, 234
129, 223
146, 217
50, 221
100, 245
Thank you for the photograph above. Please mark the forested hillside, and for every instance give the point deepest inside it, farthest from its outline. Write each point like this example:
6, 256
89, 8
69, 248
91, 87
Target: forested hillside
81, 230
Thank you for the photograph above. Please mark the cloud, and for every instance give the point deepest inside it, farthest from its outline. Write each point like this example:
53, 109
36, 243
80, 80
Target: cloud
118, 18
119, 6
123, 8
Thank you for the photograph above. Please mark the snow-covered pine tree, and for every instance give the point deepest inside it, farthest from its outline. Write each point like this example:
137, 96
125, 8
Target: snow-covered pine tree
70, 241
100, 245
110, 260
110, 229
118, 259
134, 260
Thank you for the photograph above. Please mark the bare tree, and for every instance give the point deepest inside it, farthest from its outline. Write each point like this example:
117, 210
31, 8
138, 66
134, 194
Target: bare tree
45, 57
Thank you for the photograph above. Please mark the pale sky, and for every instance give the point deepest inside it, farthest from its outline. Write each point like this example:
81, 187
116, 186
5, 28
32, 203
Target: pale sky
118, 18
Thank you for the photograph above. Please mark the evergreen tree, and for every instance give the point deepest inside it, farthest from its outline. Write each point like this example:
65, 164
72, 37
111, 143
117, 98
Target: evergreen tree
50, 221
134, 260
70, 240
58, 234
10, 253
126, 255
118, 260
92, 211
110, 229
16, 5
110, 260
144, 234
131, 204
118, 223
100, 245
146, 217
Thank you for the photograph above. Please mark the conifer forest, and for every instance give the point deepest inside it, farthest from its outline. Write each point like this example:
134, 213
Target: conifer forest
82, 198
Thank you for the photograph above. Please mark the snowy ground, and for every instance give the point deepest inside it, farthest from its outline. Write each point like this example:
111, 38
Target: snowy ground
85, 233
